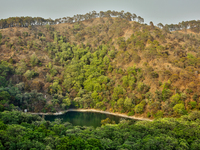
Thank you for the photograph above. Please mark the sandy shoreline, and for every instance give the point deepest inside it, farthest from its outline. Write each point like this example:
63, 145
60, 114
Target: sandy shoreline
94, 110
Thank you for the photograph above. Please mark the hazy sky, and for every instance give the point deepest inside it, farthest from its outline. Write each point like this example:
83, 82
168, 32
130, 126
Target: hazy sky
164, 11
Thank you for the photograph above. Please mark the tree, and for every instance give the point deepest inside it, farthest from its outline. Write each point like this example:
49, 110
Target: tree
179, 108
120, 102
67, 102
3, 81
184, 25
134, 16
29, 74
139, 108
95, 96
160, 25
128, 16
21, 67
107, 121
140, 19
175, 99
34, 60
4, 95
128, 103
151, 24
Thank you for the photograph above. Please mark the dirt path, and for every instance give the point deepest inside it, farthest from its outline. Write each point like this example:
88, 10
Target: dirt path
98, 111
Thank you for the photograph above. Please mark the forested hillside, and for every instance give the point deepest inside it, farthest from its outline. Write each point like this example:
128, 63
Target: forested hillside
110, 61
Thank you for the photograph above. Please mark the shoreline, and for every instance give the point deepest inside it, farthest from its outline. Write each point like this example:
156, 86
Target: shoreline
94, 110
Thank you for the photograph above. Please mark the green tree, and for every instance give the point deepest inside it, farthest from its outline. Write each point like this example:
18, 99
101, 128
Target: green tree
179, 108
128, 103
4, 95
34, 60
30, 74
67, 101
120, 102
3, 81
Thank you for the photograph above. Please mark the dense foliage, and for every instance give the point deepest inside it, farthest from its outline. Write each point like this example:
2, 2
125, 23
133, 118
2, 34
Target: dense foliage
24, 131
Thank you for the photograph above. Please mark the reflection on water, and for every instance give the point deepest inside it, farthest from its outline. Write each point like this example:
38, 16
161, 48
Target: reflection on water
83, 118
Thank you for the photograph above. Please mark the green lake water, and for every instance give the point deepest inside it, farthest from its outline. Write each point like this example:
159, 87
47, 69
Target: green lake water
84, 118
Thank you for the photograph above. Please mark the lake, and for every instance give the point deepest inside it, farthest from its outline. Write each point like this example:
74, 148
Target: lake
84, 118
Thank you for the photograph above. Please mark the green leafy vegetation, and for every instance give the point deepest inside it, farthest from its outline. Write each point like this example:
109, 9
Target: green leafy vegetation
25, 131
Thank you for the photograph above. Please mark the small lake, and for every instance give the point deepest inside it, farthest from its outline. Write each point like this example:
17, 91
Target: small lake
84, 118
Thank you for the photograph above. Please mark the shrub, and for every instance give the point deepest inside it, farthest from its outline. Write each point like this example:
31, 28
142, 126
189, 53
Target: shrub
148, 114
167, 73
95, 96
99, 105
194, 115
131, 70
166, 94
67, 101
131, 113
110, 68
53, 71
141, 87
174, 77
30, 74
21, 67
20, 86
112, 54
48, 78
128, 103
104, 108
117, 91
154, 107
120, 102
183, 96
139, 108
154, 74
136, 58
125, 81
132, 84
192, 85
175, 99
166, 85
195, 97
34, 60
159, 114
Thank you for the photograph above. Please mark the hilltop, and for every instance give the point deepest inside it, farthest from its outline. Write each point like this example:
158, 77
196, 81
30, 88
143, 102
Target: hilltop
107, 63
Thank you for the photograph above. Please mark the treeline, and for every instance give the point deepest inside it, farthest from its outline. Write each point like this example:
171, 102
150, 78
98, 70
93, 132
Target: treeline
194, 25
30, 21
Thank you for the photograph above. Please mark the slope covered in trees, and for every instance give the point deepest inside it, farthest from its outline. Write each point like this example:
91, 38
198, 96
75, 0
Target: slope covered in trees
108, 63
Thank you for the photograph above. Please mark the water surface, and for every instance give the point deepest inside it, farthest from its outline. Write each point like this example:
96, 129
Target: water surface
84, 118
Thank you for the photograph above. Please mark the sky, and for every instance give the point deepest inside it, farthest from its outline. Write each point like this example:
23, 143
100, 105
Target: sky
164, 11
